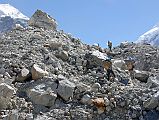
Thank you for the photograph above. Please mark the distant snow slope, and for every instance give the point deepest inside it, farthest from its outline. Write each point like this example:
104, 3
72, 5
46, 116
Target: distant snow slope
9, 16
150, 37
8, 10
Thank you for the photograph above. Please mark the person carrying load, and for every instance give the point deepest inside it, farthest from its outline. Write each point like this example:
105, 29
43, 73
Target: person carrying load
130, 65
107, 64
110, 46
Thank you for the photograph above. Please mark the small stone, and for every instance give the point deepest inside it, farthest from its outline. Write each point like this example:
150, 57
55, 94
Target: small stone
24, 75
107, 102
85, 99
112, 100
108, 108
95, 87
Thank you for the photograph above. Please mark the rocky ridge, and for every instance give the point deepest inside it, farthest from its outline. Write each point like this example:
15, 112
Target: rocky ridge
48, 74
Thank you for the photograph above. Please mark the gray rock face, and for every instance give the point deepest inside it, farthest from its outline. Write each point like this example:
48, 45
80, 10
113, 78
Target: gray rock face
153, 82
42, 20
6, 90
55, 44
43, 93
85, 99
63, 55
153, 102
120, 64
95, 58
45, 98
65, 89
141, 75
12, 116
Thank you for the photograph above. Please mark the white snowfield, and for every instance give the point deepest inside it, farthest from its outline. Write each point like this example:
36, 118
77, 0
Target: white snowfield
150, 37
8, 10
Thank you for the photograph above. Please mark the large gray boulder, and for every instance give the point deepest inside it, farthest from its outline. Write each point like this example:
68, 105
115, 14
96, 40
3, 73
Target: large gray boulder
153, 82
152, 102
13, 115
141, 75
42, 20
42, 94
42, 97
62, 55
95, 58
65, 89
120, 64
4, 102
54, 44
6, 90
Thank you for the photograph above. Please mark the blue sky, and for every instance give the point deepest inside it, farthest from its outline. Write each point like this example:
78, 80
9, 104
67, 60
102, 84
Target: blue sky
97, 21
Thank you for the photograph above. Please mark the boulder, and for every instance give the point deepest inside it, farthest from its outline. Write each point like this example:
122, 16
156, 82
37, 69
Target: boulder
13, 115
107, 102
153, 82
119, 64
6, 90
24, 75
37, 72
65, 89
152, 102
18, 27
55, 44
141, 75
63, 55
95, 58
42, 97
124, 44
96, 87
85, 99
42, 20
4, 102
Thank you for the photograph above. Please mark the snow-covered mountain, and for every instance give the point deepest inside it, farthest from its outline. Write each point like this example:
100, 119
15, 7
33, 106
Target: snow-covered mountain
9, 16
150, 37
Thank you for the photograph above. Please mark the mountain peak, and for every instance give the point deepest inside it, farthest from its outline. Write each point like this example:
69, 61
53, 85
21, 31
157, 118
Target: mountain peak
150, 37
8, 10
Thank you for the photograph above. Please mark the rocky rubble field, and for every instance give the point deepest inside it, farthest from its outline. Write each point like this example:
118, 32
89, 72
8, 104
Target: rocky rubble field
46, 74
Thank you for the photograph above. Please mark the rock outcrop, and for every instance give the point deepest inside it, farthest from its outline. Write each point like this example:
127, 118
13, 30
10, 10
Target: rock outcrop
42, 20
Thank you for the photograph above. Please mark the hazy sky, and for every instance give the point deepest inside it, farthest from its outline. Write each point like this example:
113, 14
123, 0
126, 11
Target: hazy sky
97, 21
